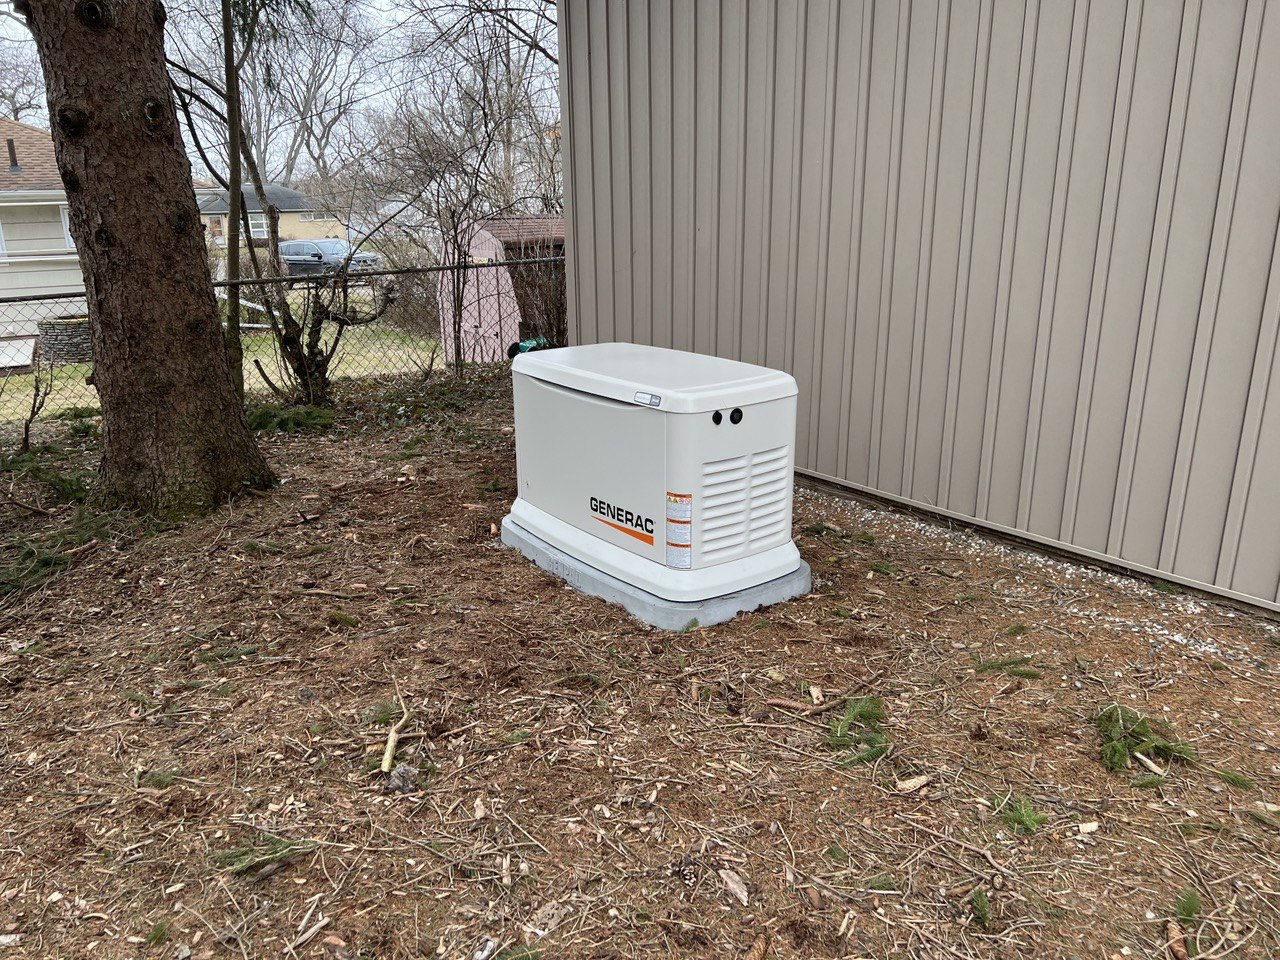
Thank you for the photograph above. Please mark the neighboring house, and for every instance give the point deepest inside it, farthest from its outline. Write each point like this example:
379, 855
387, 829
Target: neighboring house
502, 305
37, 256
301, 218
1021, 258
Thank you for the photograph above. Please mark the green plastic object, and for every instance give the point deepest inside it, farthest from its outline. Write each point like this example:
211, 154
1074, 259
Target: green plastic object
526, 346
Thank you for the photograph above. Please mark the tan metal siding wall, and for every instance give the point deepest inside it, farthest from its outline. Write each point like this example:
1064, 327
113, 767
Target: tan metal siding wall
1021, 257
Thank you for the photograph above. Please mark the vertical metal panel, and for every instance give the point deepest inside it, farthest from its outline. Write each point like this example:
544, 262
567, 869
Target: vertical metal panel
1093, 141
1154, 125
1073, 132
835, 458
816, 125
951, 186
1011, 270
1250, 551
599, 148
639, 120
832, 343
619, 189
1189, 485
1248, 262
925, 245
685, 97
1022, 258
909, 277
889, 243
964, 258
976, 313
757, 226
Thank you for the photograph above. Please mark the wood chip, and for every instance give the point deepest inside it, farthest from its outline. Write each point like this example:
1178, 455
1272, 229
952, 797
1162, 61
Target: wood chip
912, 784
734, 884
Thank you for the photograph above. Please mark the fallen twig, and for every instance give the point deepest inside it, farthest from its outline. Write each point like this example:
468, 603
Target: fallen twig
114, 723
330, 593
393, 735
23, 505
311, 932
83, 548
315, 902
985, 854
1148, 763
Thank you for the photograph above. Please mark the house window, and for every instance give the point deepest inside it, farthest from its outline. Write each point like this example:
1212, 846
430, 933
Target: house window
258, 225
215, 228
307, 216
66, 228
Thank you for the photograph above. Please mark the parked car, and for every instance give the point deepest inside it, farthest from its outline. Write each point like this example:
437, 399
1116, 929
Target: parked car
304, 258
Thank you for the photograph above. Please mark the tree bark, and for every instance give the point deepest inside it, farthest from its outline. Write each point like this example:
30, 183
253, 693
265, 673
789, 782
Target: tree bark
174, 435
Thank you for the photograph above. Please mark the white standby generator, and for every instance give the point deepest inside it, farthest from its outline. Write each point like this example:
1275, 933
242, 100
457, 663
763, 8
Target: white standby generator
659, 479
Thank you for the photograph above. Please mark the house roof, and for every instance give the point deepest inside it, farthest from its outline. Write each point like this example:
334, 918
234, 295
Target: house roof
38, 166
526, 230
286, 199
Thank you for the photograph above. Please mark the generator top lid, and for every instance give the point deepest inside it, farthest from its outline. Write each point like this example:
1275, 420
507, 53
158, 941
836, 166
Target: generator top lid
670, 380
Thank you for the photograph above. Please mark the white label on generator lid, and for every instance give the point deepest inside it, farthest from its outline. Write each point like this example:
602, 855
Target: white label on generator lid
679, 530
648, 399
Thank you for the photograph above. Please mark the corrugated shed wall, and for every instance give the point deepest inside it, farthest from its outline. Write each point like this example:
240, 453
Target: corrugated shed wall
1021, 257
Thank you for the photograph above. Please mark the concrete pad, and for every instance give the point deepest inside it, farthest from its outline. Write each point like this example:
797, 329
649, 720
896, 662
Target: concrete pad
664, 614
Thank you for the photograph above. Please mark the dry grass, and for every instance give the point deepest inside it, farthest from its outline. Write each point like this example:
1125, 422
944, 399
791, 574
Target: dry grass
191, 736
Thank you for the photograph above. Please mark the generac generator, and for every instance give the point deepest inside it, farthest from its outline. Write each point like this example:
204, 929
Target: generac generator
669, 472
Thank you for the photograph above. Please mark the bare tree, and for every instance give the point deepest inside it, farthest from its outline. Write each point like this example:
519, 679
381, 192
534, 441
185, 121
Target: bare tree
41, 387
473, 138
231, 334
309, 331
21, 83
444, 147
300, 75
527, 23
461, 123
321, 77
503, 53
257, 43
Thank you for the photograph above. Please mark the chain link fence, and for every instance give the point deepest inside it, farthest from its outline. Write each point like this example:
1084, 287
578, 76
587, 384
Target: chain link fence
376, 324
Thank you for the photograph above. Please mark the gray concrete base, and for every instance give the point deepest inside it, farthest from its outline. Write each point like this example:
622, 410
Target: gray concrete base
664, 614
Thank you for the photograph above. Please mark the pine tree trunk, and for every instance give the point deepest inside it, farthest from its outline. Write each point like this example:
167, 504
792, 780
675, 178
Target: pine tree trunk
174, 436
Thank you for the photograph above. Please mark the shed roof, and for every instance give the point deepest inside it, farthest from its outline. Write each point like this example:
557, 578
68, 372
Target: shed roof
37, 164
286, 199
526, 230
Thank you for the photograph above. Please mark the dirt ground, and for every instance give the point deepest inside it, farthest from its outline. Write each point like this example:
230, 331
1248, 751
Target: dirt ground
192, 724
